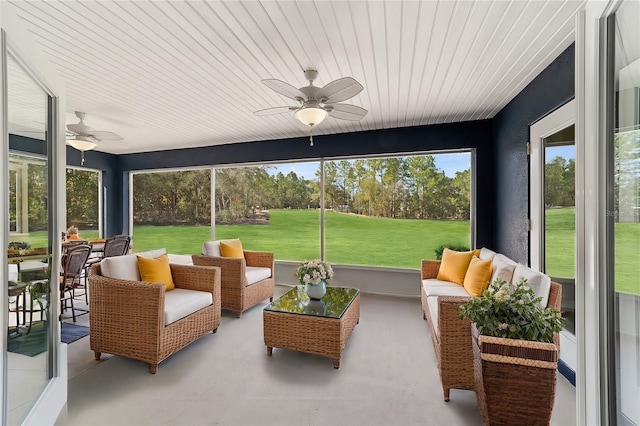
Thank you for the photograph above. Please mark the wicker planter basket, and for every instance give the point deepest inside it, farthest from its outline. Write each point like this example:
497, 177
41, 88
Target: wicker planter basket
515, 380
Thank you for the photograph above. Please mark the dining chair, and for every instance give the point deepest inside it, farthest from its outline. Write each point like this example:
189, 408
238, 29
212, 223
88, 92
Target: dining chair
38, 298
73, 263
117, 245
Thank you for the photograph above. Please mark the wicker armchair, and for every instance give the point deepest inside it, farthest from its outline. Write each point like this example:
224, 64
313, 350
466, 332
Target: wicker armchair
128, 317
237, 293
452, 336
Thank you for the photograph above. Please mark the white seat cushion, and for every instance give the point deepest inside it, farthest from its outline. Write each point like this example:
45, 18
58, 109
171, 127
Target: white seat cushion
180, 259
432, 302
255, 274
178, 303
486, 254
126, 267
536, 281
503, 268
434, 287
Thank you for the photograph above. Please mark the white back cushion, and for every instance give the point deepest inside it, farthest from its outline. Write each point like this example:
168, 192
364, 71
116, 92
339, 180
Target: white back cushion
152, 254
13, 272
180, 259
126, 267
178, 303
503, 268
536, 281
486, 254
211, 248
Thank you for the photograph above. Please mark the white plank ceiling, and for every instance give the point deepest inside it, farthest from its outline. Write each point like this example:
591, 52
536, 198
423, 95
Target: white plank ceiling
174, 74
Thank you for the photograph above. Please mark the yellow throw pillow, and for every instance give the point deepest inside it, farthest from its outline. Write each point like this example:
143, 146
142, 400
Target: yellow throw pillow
454, 265
478, 275
476, 252
156, 271
231, 248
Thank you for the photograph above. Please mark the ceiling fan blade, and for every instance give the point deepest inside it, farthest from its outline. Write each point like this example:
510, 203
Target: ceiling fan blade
79, 128
284, 89
339, 90
275, 110
105, 136
346, 111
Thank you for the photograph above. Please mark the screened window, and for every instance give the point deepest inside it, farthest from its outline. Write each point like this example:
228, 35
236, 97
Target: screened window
271, 208
172, 210
396, 211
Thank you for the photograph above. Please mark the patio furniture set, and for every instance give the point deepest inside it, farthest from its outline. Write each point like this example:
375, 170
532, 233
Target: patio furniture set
144, 318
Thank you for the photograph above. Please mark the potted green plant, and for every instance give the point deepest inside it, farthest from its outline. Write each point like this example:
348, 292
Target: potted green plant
515, 346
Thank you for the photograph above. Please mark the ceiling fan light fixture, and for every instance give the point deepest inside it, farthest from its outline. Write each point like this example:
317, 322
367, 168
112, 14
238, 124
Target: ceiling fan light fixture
82, 143
311, 115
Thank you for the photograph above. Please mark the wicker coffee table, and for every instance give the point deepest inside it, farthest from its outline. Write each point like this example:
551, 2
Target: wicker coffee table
319, 327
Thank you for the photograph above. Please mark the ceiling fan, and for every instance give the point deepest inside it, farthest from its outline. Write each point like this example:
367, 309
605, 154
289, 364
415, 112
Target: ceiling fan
316, 103
85, 138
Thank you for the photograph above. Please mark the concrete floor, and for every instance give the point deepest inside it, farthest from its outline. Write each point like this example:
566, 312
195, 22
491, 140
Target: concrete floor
388, 376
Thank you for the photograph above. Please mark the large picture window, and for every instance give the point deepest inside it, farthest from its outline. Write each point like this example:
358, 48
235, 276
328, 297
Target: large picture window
388, 211
28, 202
83, 206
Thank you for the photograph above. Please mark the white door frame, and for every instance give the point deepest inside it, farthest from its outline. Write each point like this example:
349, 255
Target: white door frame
560, 119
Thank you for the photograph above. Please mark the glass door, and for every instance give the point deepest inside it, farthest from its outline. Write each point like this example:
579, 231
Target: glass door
624, 186
28, 362
553, 216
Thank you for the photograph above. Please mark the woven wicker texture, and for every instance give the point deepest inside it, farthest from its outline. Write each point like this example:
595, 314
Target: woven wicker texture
236, 295
452, 342
311, 334
514, 390
127, 317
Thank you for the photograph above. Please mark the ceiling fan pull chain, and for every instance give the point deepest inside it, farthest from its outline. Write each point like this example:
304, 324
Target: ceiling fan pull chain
311, 137
82, 158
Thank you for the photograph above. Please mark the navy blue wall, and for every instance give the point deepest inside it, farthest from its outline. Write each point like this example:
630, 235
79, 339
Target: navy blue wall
550, 90
474, 134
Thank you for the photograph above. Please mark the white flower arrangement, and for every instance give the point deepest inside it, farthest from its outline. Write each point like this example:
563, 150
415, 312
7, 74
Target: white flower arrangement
314, 271
512, 312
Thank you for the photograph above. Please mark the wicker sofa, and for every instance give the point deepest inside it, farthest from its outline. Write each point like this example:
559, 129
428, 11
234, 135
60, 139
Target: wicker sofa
246, 281
143, 321
451, 335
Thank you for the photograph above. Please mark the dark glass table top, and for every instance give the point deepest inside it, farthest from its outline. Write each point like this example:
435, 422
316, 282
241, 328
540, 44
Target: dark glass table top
332, 305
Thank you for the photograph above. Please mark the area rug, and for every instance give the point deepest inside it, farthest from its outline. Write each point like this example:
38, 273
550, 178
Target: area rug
71, 332
30, 344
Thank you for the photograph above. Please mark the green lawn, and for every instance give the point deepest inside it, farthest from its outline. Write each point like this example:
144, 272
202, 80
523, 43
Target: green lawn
560, 244
295, 235
39, 238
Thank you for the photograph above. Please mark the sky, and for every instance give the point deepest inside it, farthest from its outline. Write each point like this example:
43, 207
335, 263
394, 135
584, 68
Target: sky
449, 163
567, 152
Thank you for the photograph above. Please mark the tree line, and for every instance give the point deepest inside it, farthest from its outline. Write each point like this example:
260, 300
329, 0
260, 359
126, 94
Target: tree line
402, 187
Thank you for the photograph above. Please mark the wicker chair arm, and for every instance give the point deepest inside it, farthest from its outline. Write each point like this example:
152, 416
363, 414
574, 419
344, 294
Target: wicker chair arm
261, 259
120, 303
429, 269
449, 314
232, 270
200, 278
